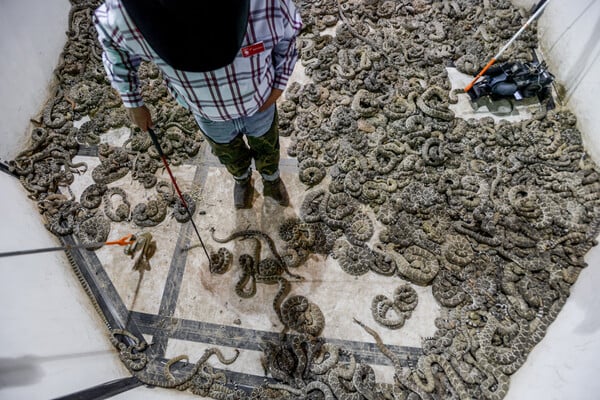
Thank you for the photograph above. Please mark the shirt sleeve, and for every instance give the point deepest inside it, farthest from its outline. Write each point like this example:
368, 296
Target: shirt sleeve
285, 53
121, 66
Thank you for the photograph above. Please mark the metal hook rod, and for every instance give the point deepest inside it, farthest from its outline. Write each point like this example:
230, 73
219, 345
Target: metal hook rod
125, 240
538, 11
166, 164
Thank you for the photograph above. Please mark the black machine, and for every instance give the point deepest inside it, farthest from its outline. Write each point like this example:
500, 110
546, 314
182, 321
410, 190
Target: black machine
514, 80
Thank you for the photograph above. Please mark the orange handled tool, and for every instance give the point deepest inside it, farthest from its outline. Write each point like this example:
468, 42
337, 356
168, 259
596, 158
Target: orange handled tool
538, 11
124, 241
181, 198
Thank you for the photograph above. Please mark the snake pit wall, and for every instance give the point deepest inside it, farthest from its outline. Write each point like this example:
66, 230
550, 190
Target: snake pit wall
496, 217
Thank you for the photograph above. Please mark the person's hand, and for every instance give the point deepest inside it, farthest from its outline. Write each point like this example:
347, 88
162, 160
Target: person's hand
275, 93
141, 117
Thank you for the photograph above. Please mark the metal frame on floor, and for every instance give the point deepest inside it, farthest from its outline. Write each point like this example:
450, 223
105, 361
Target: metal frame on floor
107, 301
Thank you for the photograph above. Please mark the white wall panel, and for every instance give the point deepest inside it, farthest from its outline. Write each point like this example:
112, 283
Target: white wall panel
32, 35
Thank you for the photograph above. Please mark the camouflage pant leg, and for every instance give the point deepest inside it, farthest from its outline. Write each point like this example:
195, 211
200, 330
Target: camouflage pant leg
265, 150
235, 155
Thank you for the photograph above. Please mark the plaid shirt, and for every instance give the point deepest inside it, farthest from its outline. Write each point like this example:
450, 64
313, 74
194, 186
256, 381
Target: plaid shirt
236, 90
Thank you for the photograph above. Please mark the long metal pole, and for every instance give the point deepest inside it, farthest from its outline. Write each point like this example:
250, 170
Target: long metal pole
125, 240
166, 164
45, 250
503, 49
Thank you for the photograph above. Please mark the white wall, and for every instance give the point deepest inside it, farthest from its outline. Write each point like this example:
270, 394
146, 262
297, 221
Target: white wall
564, 364
570, 39
52, 342
32, 35
569, 33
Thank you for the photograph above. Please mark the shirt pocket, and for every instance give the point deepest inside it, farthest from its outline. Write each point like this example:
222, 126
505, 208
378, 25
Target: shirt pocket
254, 72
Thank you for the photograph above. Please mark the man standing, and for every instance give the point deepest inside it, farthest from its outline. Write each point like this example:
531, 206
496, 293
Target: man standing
227, 61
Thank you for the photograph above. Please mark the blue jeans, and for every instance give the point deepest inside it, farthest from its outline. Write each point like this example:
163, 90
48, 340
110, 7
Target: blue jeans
255, 125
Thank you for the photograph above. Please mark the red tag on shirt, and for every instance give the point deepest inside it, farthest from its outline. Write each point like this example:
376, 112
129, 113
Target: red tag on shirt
253, 49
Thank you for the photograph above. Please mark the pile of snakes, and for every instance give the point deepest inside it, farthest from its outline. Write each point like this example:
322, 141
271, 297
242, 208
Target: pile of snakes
495, 216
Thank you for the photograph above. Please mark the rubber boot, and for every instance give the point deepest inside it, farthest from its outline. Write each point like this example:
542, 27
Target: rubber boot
242, 193
277, 191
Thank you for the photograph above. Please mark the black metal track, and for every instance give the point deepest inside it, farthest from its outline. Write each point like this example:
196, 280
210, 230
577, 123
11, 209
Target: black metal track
118, 316
6, 169
102, 288
104, 390
251, 339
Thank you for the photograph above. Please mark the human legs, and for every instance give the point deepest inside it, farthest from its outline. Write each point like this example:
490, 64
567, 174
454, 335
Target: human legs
265, 151
235, 156
227, 144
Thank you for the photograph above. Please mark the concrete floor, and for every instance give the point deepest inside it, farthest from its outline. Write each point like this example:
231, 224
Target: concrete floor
179, 289
54, 343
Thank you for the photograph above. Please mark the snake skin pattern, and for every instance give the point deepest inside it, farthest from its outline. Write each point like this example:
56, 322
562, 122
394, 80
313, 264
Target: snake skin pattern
495, 217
